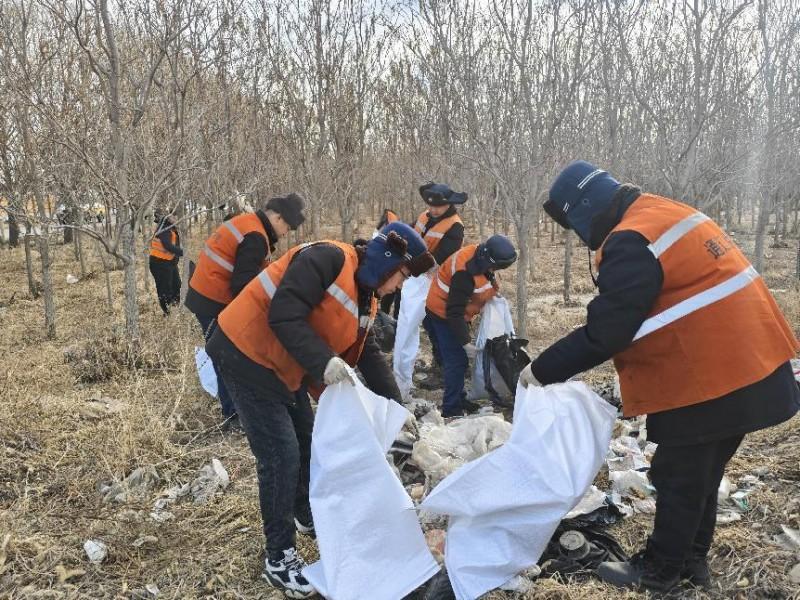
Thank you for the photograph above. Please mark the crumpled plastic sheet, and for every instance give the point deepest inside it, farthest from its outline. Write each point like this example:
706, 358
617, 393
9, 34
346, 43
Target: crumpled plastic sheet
205, 371
370, 541
442, 449
504, 507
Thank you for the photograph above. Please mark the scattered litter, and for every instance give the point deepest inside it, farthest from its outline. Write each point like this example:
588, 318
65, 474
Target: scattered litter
724, 517
794, 574
145, 539
135, 486
442, 449
626, 455
95, 550
631, 484
153, 589
789, 539
205, 371
724, 490
99, 407
592, 500
72, 279
211, 479
435, 539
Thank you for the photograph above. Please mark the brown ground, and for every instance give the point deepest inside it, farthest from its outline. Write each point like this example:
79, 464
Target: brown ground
57, 447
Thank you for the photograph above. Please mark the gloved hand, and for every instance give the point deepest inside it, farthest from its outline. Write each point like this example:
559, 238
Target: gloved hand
336, 371
471, 351
526, 377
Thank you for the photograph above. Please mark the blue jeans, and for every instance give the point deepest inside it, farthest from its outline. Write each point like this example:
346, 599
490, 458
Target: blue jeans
454, 365
209, 324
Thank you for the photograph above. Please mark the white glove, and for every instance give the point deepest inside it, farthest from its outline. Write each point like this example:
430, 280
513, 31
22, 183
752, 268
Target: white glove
471, 351
526, 377
336, 371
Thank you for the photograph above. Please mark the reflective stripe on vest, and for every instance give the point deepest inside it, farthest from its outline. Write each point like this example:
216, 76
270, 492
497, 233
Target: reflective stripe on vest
266, 283
713, 329
216, 262
217, 259
676, 232
236, 233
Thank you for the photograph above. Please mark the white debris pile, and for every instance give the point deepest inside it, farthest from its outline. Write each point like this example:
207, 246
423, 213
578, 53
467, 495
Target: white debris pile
442, 449
628, 461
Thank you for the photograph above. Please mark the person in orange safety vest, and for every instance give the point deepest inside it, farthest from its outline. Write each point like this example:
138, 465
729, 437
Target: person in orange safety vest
234, 254
301, 321
165, 250
462, 286
698, 342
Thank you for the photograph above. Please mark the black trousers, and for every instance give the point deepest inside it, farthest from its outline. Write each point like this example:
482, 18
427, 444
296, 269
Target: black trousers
686, 479
278, 425
168, 282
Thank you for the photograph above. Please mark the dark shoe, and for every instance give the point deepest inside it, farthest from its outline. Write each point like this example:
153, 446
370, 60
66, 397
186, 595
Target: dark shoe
306, 527
471, 407
640, 572
285, 574
452, 413
696, 572
440, 588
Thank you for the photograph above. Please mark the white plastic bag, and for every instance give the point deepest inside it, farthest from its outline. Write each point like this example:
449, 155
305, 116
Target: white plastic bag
370, 542
205, 370
495, 321
406, 341
505, 506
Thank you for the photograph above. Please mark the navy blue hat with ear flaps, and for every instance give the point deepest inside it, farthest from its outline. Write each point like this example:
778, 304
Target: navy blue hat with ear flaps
396, 245
494, 254
579, 193
440, 194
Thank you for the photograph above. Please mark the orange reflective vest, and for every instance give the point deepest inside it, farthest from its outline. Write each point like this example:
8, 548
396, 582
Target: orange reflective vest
212, 275
336, 320
435, 234
157, 249
440, 289
714, 327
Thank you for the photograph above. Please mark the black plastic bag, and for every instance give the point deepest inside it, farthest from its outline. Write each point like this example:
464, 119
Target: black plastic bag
508, 356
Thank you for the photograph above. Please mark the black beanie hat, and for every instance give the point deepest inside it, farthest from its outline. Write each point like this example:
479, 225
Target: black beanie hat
290, 208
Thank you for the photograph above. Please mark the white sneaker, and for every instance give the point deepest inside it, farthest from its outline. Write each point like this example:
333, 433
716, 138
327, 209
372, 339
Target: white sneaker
286, 575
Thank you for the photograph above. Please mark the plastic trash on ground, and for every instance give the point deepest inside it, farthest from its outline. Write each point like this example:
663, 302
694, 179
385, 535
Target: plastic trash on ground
409, 319
370, 542
95, 550
442, 449
205, 370
592, 500
211, 479
505, 506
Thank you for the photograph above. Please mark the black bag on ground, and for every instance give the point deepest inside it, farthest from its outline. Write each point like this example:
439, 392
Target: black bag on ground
504, 356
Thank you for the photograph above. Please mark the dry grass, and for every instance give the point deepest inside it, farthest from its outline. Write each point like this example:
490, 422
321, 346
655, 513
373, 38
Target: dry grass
57, 447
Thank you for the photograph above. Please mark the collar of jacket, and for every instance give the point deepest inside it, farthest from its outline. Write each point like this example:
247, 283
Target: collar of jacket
272, 237
434, 220
603, 223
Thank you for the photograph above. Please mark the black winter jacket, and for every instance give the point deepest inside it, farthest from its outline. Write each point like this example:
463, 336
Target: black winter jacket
629, 281
303, 287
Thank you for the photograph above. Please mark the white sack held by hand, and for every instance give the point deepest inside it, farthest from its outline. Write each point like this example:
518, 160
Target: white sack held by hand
527, 378
370, 542
505, 506
336, 371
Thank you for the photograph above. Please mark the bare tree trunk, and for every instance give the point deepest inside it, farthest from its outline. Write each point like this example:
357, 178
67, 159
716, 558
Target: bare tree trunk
32, 288
79, 245
761, 231
47, 286
567, 265
101, 253
13, 231
131, 305
522, 287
